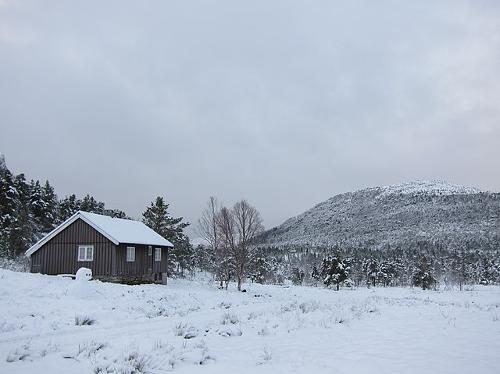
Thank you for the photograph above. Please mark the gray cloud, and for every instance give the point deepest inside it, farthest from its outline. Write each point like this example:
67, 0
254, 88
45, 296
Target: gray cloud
284, 103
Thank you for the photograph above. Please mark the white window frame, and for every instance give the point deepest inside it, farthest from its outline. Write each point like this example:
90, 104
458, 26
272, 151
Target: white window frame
157, 254
85, 253
130, 254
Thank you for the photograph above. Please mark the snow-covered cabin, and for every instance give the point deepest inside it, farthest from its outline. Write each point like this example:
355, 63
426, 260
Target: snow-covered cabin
114, 249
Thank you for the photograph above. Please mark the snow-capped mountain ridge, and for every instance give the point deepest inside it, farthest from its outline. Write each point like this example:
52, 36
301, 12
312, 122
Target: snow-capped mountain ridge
379, 217
438, 187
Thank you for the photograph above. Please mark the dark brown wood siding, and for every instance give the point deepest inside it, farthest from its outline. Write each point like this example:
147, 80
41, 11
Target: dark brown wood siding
144, 263
60, 254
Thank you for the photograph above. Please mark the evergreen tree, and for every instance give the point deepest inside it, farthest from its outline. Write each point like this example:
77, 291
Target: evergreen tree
157, 217
260, 268
116, 213
9, 202
370, 268
315, 275
298, 276
91, 205
336, 271
422, 276
50, 216
68, 206
37, 205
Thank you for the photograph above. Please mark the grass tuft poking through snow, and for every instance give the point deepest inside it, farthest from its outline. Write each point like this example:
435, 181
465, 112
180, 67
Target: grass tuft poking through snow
84, 321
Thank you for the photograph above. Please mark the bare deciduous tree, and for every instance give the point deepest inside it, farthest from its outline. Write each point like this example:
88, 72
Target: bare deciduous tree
207, 224
238, 227
228, 233
209, 231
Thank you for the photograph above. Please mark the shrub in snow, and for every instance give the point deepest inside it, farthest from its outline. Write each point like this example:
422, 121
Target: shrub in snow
89, 349
229, 318
21, 353
186, 331
229, 331
180, 329
129, 363
20, 264
307, 307
137, 362
266, 356
84, 321
191, 333
84, 274
264, 331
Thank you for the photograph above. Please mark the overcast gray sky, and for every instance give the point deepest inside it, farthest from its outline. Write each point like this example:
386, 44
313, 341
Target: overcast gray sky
284, 103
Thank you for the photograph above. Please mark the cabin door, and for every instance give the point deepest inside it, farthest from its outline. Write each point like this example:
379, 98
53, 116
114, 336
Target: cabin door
150, 259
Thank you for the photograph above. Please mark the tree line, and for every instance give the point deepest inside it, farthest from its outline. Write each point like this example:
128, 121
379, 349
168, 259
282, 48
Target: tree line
231, 252
427, 265
31, 209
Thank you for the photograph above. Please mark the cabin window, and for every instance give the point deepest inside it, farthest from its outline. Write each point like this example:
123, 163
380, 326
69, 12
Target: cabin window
130, 254
85, 253
158, 254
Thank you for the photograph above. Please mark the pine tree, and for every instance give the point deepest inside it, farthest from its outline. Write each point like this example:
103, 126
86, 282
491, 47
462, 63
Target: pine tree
370, 268
297, 276
315, 275
50, 216
336, 271
157, 217
68, 206
37, 205
91, 205
423, 276
260, 268
24, 229
9, 203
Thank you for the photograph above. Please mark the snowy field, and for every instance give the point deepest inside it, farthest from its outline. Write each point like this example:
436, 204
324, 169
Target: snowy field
192, 327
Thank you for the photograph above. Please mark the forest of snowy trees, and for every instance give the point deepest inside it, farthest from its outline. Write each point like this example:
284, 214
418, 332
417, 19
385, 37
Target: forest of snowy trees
30, 209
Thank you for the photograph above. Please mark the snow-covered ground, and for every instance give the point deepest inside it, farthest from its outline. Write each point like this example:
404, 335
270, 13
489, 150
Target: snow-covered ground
192, 327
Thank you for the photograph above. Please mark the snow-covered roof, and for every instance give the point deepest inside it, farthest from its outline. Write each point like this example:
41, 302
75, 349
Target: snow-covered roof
117, 230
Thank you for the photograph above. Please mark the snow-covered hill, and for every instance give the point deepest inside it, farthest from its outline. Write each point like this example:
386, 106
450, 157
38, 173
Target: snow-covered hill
402, 215
54, 325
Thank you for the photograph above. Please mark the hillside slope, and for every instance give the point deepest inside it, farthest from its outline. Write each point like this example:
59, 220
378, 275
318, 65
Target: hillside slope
402, 215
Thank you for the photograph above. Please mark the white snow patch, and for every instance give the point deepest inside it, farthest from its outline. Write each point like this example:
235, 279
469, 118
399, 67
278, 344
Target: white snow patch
191, 326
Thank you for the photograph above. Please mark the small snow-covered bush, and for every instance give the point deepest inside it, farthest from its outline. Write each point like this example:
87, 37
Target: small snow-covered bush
307, 307
89, 349
191, 333
185, 330
264, 331
229, 318
21, 353
138, 362
19, 264
180, 329
266, 356
228, 332
133, 362
84, 321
